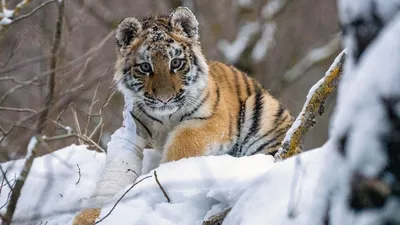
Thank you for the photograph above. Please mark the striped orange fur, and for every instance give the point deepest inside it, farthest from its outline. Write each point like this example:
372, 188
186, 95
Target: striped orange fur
187, 106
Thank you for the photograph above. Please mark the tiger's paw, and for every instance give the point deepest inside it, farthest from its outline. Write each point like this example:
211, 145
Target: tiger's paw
87, 217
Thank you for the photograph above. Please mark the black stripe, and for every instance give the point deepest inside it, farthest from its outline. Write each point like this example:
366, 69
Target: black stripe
246, 82
141, 123
223, 75
237, 84
240, 119
150, 116
277, 123
257, 111
230, 124
255, 85
279, 113
273, 140
197, 107
280, 133
214, 109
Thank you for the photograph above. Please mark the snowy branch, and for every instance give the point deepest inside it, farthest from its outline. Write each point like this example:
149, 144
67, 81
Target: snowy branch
315, 100
313, 57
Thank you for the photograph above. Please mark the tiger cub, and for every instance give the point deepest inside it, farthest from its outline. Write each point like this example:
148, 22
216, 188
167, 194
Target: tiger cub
187, 106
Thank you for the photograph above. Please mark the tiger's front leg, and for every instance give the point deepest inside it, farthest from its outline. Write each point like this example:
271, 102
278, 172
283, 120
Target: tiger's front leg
194, 138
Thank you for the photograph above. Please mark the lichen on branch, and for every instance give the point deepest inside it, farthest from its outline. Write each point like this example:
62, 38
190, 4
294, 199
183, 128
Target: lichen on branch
292, 144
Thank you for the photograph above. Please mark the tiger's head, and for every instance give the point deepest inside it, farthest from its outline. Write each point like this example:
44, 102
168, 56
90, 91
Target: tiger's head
160, 64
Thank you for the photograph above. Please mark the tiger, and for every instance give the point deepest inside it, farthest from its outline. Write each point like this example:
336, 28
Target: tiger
186, 106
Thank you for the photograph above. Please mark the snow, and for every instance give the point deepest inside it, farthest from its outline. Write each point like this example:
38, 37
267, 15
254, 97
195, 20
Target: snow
232, 51
265, 42
363, 118
272, 8
199, 192
245, 3
31, 146
50, 193
290, 193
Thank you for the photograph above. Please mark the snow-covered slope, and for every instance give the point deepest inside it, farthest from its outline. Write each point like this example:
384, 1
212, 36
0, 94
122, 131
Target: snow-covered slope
55, 186
197, 187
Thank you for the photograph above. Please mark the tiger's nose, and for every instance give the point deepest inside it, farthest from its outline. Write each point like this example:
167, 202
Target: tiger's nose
165, 100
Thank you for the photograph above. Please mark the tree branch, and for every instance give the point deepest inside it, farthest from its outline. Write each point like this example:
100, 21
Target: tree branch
316, 97
53, 65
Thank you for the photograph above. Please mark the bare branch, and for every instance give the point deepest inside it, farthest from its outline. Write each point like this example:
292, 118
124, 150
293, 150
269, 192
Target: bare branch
316, 97
53, 65
33, 11
17, 109
161, 187
79, 173
313, 57
126, 192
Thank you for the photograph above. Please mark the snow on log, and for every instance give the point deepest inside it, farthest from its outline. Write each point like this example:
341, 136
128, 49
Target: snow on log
314, 103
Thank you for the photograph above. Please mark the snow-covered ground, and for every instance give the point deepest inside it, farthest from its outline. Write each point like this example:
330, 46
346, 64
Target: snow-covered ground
56, 185
53, 194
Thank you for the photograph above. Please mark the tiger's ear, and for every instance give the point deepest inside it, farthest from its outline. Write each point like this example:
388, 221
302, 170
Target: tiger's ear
127, 30
184, 21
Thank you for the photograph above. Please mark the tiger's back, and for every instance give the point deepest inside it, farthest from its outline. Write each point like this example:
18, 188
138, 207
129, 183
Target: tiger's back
257, 121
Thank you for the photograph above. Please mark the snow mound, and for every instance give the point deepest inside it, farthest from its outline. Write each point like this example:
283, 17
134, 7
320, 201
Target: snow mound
56, 185
197, 187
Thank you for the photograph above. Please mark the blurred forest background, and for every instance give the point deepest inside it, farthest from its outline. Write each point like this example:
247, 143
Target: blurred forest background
56, 75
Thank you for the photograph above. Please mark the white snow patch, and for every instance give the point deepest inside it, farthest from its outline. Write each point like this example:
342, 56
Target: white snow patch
31, 146
272, 8
52, 192
232, 51
265, 43
245, 3
198, 187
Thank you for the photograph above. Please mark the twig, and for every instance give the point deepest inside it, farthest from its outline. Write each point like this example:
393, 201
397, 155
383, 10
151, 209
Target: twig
4, 173
306, 119
161, 187
126, 192
91, 107
32, 12
79, 173
17, 109
78, 127
21, 64
218, 218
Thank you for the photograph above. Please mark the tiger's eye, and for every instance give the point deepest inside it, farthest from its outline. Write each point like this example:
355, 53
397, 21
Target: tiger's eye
176, 64
145, 67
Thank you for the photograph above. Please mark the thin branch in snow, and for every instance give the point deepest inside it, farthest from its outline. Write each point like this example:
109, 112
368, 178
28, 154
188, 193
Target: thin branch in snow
313, 57
79, 173
315, 99
161, 187
16, 191
123, 195
4, 173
